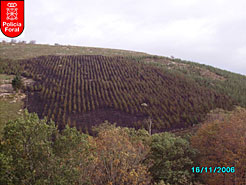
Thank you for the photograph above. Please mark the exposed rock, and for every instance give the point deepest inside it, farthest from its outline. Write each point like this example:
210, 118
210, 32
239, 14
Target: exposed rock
6, 88
28, 81
144, 104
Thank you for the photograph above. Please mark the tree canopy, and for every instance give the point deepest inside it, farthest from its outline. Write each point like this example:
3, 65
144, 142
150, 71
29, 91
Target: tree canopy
172, 159
34, 152
222, 143
17, 82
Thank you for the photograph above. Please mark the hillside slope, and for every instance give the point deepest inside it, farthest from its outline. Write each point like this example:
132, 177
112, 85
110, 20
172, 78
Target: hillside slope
132, 89
225, 82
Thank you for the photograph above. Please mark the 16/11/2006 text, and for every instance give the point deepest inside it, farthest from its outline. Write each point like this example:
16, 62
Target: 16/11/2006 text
213, 169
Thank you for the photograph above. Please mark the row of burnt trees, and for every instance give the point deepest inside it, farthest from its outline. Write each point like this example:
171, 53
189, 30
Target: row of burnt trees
71, 85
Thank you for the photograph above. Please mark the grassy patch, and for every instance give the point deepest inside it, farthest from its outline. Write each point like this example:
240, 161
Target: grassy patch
5, 78
9, 111
17, 51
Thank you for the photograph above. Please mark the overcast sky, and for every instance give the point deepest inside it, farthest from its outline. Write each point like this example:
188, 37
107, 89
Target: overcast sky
206, 31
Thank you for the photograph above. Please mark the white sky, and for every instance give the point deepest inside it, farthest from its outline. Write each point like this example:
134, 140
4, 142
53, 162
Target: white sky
212, 32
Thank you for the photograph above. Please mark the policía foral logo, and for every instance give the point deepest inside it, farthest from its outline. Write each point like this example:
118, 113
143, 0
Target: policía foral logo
12, 17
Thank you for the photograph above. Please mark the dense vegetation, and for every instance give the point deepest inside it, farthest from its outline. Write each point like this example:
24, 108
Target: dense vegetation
222, 142
86, 90
34, 151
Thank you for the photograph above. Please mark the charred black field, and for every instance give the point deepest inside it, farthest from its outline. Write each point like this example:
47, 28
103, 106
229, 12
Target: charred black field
86, 90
